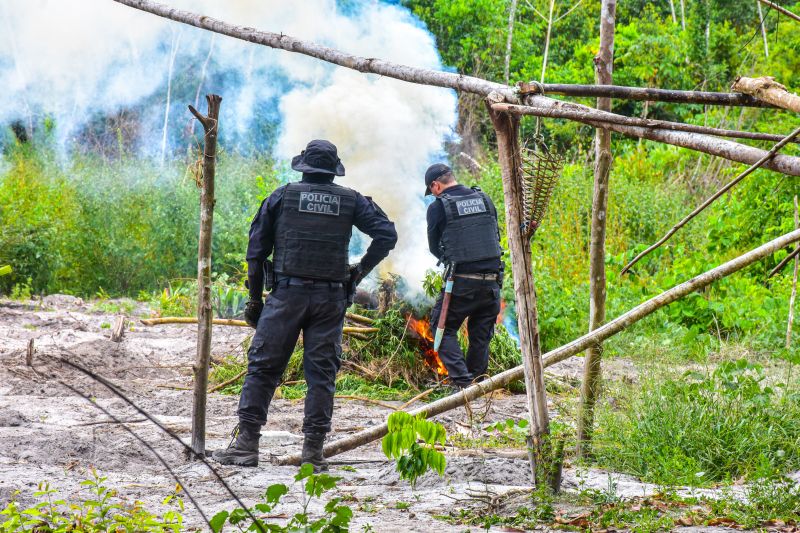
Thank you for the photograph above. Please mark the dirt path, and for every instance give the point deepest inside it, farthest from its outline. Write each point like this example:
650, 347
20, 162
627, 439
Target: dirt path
48, 433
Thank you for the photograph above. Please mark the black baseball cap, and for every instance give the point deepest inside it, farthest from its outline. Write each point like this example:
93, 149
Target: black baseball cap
433, 173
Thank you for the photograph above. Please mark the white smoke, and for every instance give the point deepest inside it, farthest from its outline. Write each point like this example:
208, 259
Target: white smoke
73, 61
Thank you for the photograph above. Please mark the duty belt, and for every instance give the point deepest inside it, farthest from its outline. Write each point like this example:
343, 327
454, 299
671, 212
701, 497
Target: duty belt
491, 276
306, 282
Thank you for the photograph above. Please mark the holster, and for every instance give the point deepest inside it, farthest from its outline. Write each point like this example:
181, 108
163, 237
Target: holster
351, 290
269, 276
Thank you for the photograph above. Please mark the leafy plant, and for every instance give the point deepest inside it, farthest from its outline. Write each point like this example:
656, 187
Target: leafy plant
102, 511
432, 284
401, 443
336, 517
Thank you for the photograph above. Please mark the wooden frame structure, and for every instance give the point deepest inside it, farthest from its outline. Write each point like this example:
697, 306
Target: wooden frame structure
506, 105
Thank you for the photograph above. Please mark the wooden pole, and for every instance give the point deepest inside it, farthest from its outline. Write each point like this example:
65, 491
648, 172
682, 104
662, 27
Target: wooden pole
613, 118
763, 23
507, 130
767, 90
419, 75
210, 124
794, 283
649, 94
604, 67
547, 40
609, 329
231, 322
730, 150
512, 13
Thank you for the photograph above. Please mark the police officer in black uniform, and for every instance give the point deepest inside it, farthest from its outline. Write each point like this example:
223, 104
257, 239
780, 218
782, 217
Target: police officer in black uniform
306, 226
463, 231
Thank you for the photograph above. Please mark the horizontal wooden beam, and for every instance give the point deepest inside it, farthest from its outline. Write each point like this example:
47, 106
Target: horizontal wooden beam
733, 151
642, 93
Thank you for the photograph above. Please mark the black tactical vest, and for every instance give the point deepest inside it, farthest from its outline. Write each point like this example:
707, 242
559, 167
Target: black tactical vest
312, 233
471, 233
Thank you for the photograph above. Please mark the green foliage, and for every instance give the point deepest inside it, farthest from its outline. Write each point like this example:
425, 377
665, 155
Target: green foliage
22, 290
102, 511
124, 225
701, 428
401, 443
336, 517
432, 284
5, 270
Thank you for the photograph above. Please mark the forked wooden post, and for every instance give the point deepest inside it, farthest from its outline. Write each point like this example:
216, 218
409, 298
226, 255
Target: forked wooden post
507, 130
204, 312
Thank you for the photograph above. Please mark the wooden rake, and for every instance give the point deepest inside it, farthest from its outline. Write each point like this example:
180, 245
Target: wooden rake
540, 172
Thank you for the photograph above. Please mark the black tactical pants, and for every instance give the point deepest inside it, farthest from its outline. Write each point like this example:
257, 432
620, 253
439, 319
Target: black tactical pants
318, 311
478, 301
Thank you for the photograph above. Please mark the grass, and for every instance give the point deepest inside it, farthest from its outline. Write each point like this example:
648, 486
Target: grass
719, 425
116, 307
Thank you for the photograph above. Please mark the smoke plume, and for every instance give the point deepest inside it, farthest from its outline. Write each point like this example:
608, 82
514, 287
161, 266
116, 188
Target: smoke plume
72, 63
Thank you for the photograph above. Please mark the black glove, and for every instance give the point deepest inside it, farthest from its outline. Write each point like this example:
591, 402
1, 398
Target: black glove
252, 312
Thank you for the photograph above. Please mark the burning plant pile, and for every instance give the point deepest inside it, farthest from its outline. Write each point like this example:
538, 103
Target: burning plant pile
398, 352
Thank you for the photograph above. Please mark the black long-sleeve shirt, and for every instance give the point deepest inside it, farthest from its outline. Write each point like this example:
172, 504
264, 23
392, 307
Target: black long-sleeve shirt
368, 218
436, 224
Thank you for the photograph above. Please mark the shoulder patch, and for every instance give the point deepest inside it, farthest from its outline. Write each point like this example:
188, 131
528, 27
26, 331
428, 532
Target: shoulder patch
319, 203
470, 206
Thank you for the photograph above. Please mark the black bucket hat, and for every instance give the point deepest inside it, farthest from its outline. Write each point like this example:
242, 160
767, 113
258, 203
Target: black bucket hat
319, 156
433, 173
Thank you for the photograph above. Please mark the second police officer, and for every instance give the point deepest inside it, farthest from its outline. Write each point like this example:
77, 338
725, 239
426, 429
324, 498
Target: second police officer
463, 231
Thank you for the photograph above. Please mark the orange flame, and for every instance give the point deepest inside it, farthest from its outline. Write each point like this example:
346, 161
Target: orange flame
431, 359
502, 314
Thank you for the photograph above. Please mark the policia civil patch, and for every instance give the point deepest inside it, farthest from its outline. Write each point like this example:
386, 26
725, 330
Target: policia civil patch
470, 206
320, 203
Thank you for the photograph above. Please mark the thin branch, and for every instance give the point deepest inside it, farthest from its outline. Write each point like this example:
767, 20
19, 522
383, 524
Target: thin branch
794, 253
143, 442
711, 199
224, 384
570, 10
187, 449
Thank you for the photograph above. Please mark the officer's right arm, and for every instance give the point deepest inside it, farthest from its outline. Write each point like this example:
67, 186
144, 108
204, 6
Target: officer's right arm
262, 240
370, 219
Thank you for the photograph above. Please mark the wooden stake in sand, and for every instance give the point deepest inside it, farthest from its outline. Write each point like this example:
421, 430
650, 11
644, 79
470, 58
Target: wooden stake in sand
119, 329
204, 311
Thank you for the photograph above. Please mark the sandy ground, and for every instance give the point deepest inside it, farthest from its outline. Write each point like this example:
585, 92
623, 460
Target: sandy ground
49, 433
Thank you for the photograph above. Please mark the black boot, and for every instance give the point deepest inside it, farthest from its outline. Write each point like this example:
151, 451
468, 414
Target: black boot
312, 452
243, 449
